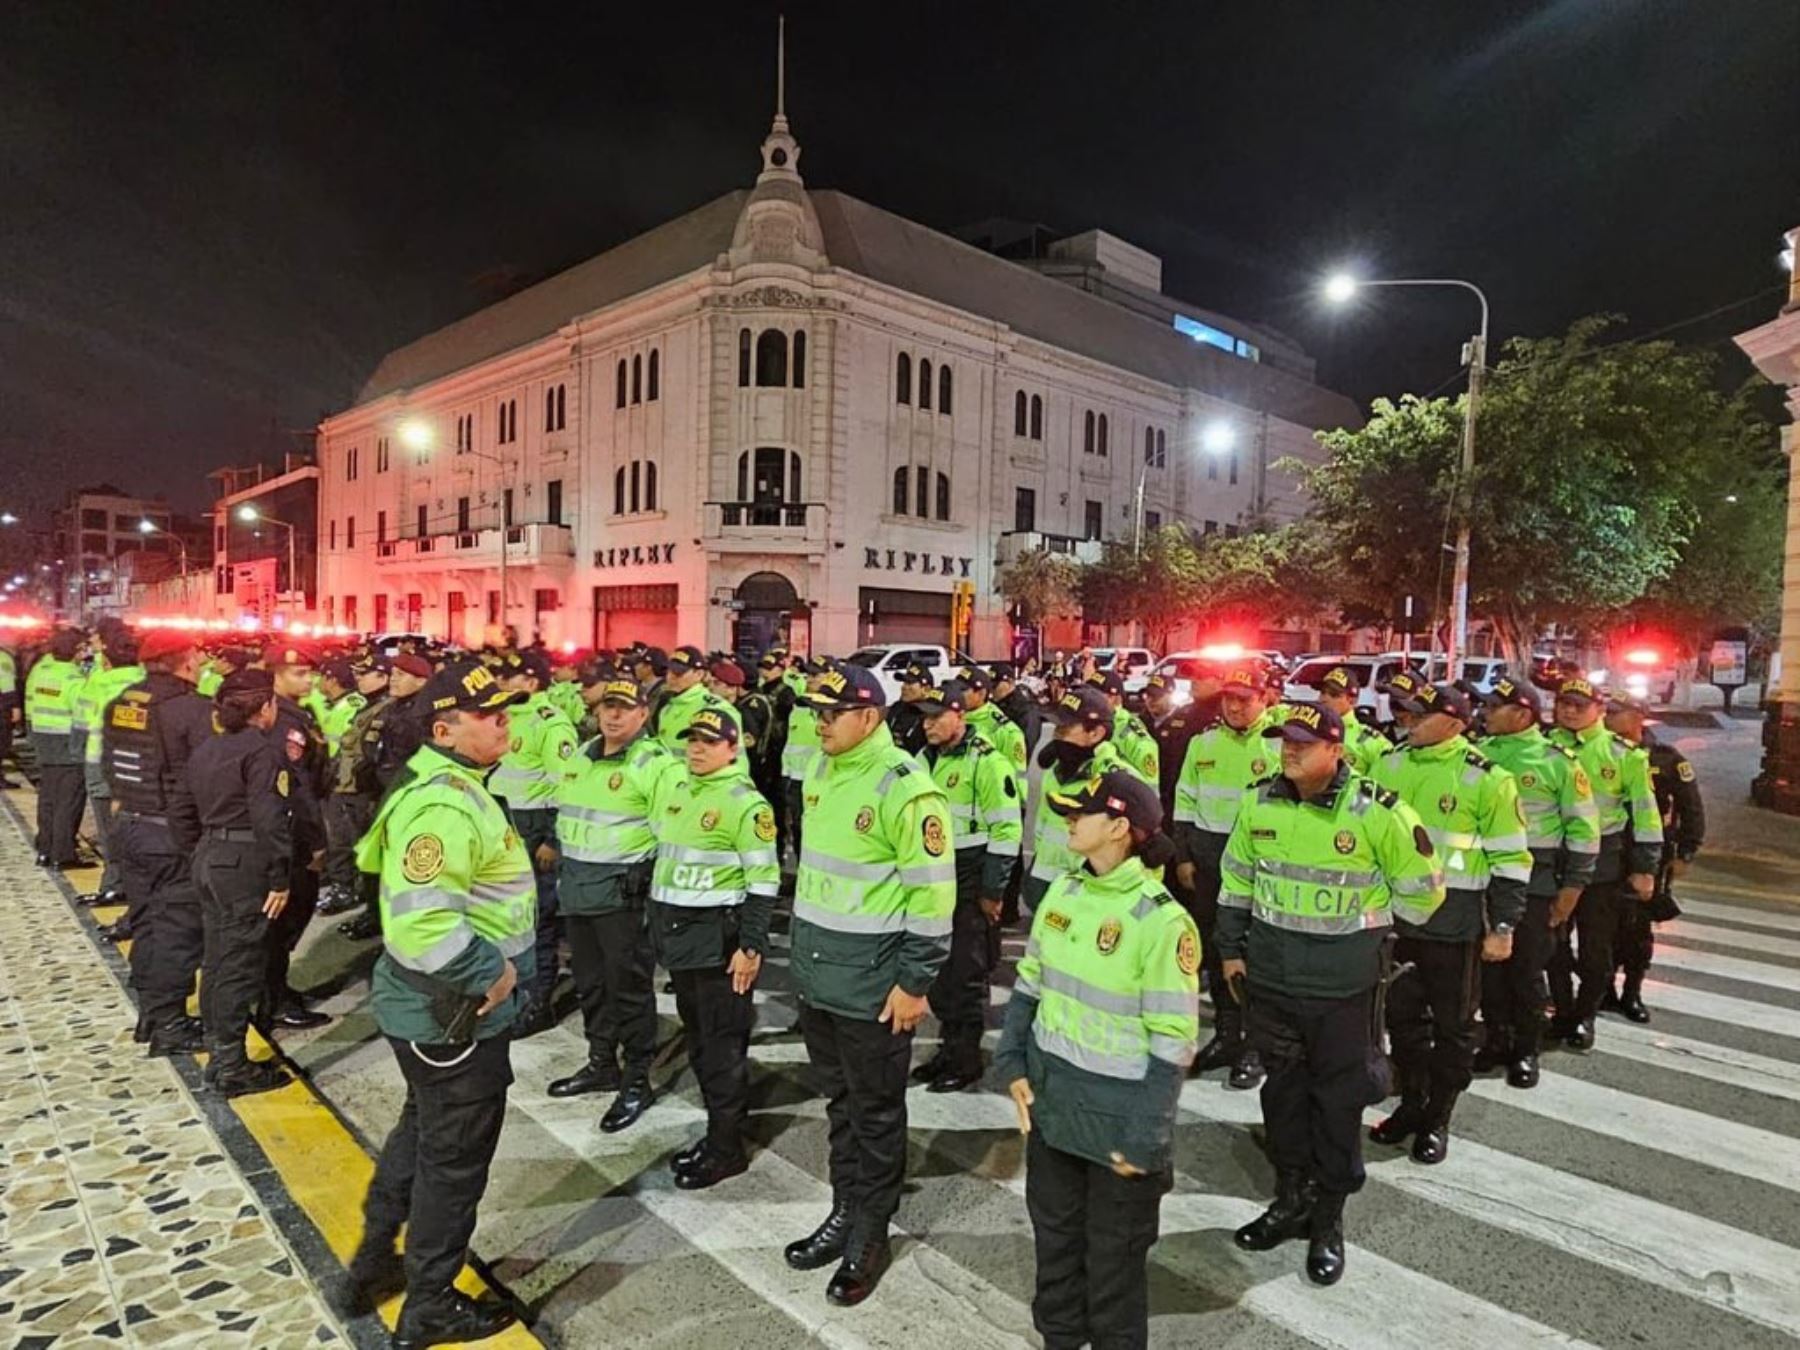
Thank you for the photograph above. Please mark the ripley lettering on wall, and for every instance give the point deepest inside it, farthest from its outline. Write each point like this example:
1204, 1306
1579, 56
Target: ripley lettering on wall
634, 556
906, 560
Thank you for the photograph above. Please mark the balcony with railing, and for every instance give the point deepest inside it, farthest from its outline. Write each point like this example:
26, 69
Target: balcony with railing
781, 527
1015, 542
534, 545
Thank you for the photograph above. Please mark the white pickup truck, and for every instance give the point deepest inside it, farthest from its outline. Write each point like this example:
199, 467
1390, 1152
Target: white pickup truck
888, 659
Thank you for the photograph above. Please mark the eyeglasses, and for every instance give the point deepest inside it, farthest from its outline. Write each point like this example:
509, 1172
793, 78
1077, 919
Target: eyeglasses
830, 715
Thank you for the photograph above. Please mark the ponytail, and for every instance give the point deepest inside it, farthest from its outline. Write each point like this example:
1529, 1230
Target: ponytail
1154, 850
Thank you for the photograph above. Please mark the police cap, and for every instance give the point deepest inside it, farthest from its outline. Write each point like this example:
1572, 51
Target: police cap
1119, 793
710, 724
467, 686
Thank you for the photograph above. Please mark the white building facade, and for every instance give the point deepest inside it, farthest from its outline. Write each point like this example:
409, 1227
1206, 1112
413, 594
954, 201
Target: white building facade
789, 416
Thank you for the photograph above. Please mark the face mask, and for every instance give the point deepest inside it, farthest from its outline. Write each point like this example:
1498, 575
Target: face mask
1064, 757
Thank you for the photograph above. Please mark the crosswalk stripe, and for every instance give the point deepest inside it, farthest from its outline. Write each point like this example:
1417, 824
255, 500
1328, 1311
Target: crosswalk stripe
1726, 967
1739, 1012
1761, 1155
1700, 1059
1729, 888
1787, 922
1716, 936
1726, 1267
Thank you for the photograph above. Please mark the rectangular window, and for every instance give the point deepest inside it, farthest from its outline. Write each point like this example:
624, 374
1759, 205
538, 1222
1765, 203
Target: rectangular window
1234, 466
350, 532
381, 466
381, 613
506, 508
381, 527
553, 501
122, 523
424, 523
462, 515
1152, 521
332, 534
1024, 509
93, 520
1211, 527
1092, 523
1212, 468
350, 611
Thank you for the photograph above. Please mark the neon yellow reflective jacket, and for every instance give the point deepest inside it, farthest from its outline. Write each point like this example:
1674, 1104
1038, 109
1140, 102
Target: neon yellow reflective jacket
1001, 732
458, 898
987, 809
1309, 888
541, 756
97, 693
1137, 747
876, 888
1619, 773
801, 751
603, 830
1364, 746
566, 696
1220, 763
335, 719
1051, 855
715, 852
678, 712
1562, 822
1105, 1014
50, 691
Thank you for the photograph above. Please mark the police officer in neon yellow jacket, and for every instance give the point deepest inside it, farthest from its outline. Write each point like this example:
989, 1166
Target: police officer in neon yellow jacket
985, 808
51, 687
986, 719
1100, 1028
1363, 745
1221, 762
717, 876
606, 844
1470, 808
458, 911
1137, 747
110, 677
1320, 865
873, 902
800, 748
1562, 822
1080, 747
688, 695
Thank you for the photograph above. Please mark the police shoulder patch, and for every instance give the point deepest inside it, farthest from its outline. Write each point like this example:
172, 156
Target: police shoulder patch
423, 859
764, 824
1054, 918
1479, 760
1187, 952
282, 785
1387, 797
933, 832
1684, 771
1584, 787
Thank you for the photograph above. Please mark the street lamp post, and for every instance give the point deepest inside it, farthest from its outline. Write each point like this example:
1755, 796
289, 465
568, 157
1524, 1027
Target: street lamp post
417, 434
251, 515
1216, 438
149, 527
1339, 289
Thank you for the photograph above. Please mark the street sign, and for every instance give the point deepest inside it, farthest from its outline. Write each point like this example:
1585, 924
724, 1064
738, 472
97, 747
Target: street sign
1728, 664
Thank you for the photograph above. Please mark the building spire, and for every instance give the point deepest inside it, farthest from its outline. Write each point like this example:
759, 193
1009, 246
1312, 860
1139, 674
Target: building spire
780, 151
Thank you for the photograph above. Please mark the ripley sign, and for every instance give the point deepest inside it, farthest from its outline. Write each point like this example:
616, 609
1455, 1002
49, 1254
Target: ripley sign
637, 555
905, 560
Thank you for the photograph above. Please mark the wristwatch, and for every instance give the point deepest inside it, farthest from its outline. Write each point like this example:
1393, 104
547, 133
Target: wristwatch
1501, 930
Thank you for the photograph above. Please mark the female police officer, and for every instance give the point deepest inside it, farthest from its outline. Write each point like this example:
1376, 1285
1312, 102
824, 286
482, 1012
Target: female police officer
1101, 1027
240, 787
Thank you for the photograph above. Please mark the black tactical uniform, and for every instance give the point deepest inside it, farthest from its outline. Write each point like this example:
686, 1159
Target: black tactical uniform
243, 790
350, 806
302, 746
150, 733
1172, 734
907, 724
1684, 830
1023, 709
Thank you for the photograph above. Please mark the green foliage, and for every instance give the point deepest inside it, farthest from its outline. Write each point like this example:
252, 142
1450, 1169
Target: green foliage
1041, 584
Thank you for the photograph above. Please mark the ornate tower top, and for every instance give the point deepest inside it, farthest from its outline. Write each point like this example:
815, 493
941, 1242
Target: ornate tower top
778, 224
780, 151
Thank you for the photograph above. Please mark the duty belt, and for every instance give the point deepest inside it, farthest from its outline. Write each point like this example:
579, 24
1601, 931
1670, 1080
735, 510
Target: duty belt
232, 834
143, 816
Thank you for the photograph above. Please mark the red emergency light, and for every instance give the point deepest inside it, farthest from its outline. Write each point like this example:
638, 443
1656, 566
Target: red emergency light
1643, 656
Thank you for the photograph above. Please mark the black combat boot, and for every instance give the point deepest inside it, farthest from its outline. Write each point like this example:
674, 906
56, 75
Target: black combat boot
1287, 1218
1222, 1051
1631, 1002
1410, 1117
825, 1243
449, 1317
1432, 1143
1325, 1240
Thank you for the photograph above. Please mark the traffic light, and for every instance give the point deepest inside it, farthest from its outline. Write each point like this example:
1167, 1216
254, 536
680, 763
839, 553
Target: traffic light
962, 612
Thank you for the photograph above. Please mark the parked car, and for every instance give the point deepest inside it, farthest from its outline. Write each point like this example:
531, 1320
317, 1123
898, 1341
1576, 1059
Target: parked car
888, 659
1373, 671
389, 644
1129, 662
1191, 665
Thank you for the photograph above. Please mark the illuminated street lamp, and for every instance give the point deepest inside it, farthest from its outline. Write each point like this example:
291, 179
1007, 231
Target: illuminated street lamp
1342, 288
150, 527
1217, 438
418, 434
250, 516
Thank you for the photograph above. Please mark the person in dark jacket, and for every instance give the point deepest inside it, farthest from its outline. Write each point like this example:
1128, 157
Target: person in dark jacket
1019, 705
1102, 1024
403, 731
302, 744
242, 787
905, 720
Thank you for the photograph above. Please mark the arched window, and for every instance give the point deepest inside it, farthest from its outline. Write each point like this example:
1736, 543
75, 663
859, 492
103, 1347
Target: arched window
743, 492
800, 359
903, 378
1037, 418
1102, 433
1087, 433
562, 406
1149, 445
743, 358
923, 496
1162, 450
1019, 422
655, 376
943, 389
637, 474
924, 386
618, 491
900, 492
649, 485
637, 379
943, 496
619, 386
771, 359
550, 408
793, 486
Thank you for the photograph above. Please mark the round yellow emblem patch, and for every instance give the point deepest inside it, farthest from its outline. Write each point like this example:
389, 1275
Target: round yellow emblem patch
424, 859
952, 780
1447, 803
865, 818
1345, 842
935, 842
613, 783
282, 783
1528, 780
709, 819
1259, 766
764, 825
1107, 939
1187, 953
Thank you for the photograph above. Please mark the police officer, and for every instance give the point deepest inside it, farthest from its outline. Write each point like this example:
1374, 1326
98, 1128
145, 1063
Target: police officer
1563, 828
119, 646
717, 876
303, 745
1173, 725
1683, 815
1100, 1028
648, 667
1080, 748
1137, 747
540, 756
1470, 808
1363, 745
1019, 706
607, 848
9, 709
1221, 762
458, 933
241, 788
988, 722
986, 809
350, 805
565, 688
756, 709
688, 694
905, 719
873, 903
398, 737
1309, 952
147, 736
51, 687
799, 752
1624, 873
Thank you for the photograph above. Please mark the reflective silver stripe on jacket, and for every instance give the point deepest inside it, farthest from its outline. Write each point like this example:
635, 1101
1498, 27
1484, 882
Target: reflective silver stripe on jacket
1329, 925
1129, 1067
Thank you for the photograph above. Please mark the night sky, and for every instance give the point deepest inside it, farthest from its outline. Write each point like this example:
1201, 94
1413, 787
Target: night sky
217, 217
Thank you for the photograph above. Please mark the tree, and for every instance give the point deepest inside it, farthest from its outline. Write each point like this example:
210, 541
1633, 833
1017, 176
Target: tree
1590, 461
1158, 587
1040, 585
